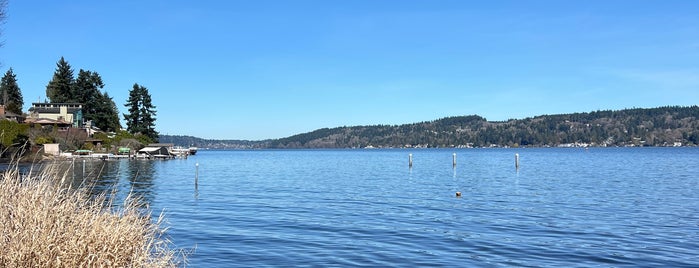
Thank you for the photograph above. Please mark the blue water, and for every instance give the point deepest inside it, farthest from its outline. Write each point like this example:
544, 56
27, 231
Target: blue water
562, 207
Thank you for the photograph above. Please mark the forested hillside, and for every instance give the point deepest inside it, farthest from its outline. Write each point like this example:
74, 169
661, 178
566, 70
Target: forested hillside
188, 141
664, 126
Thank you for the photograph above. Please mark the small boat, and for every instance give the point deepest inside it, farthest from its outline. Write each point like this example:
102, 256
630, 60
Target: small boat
179, 151
192, 150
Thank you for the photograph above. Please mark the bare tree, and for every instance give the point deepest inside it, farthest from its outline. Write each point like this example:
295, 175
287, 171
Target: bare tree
3, 16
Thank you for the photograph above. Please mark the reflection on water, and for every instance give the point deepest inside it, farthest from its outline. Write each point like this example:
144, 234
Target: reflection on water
114, 179
140, 177
562, 207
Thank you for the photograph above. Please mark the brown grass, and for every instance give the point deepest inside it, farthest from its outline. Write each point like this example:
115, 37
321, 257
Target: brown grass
43, 224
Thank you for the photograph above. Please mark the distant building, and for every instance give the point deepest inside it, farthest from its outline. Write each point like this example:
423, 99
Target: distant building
7, 115
60, 114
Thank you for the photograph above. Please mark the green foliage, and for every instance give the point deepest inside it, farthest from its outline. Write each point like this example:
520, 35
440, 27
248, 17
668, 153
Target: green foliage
12, 133
61, 87
106, 114
663, 126
88, 146
87, 87
10, 93
112, 141
186, 141
87, 91
141, 116
133, 117
97, 106
143, 139
44, 140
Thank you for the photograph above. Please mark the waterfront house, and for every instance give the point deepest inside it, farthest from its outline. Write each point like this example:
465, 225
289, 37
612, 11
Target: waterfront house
63, 115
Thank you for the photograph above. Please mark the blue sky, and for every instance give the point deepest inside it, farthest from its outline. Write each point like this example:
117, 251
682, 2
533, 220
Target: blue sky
271, 69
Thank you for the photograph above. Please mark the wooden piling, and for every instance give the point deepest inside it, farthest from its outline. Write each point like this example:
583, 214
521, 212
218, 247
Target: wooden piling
196, 175
516, 161
453, 160
410, 160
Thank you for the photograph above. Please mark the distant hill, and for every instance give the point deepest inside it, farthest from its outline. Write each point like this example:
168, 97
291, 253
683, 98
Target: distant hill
187, 141
663, 126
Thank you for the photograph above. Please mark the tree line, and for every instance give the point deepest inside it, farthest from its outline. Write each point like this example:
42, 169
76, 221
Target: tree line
662, 126
97, 105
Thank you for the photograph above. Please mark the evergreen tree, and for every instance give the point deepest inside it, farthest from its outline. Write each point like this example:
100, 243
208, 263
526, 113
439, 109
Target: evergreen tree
133, 118
10, 94
106, 116
96, 106
148, 115
61, 87
86, 90
141, 116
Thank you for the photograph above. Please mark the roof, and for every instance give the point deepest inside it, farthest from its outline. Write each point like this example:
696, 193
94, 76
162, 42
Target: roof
55, 103
150, 149
47, 121
11, 114
52, 110
161, 145
54, 107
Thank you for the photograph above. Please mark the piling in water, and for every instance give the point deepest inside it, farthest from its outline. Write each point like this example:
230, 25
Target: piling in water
196, 175
516, 161
453, 160
410, 160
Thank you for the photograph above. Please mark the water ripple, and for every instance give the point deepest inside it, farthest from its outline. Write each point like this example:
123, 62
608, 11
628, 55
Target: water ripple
563, 207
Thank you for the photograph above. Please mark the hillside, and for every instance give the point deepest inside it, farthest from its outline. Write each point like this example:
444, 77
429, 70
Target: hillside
187, 141
663, 126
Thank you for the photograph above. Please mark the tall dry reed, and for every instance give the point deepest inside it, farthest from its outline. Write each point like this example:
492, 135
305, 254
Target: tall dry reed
43, 224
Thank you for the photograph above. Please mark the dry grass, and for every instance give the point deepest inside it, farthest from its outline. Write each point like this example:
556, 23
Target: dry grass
45, 225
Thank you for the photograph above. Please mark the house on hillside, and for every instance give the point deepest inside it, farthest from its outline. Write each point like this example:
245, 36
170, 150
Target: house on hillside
63, 115
7, 115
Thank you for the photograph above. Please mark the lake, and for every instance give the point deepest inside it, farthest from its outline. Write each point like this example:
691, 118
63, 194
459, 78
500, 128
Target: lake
562, 207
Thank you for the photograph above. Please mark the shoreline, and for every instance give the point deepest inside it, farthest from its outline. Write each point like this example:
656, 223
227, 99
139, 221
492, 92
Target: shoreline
81, 230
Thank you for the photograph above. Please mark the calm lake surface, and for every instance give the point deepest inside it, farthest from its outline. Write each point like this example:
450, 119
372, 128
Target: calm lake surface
562, 207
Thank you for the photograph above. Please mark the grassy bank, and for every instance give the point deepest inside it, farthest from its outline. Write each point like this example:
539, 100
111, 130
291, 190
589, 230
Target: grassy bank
45, 225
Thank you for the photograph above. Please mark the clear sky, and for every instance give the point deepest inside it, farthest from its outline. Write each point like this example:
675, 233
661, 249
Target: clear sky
270, 69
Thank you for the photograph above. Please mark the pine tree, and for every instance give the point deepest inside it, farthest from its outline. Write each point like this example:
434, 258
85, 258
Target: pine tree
10, 94
148, 115
141, 116
86, 90
106, 116
133, 118
61, 87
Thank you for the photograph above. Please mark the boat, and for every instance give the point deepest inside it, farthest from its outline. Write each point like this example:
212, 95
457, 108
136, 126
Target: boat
179, 151
192, 150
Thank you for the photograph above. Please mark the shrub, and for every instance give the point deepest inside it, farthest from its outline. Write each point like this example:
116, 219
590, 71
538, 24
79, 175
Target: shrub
43, 224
